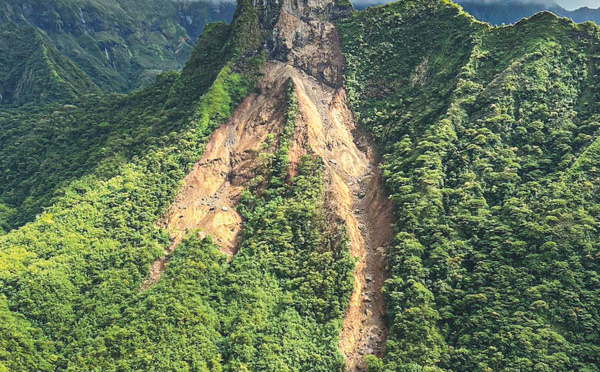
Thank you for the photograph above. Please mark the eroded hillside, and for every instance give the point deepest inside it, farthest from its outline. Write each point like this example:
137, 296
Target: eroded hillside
482, 130
308, 56
233, 217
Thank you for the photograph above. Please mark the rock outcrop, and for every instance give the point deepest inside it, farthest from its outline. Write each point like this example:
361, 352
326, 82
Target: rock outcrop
302, 34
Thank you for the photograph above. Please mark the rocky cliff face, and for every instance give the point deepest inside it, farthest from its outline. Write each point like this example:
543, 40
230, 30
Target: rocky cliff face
302, 33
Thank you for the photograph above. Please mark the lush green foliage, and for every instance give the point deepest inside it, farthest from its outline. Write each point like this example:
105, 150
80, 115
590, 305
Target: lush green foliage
70, 280
119, 44
286, 290
33, 70
490, 138
45, 148
491, 144
72, 273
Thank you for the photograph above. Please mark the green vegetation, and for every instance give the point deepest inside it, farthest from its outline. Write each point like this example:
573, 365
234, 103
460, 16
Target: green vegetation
32, 70
280, 163
490, 138
70, 279
286, 290
120, 45
67, 277
46, 148
38, 157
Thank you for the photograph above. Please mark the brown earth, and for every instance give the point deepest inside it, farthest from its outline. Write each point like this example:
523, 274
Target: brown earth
355, 196
212, 189
310, 54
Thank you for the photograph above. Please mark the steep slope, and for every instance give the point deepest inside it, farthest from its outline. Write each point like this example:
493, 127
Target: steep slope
484, 131
310, 58
232, 217
46, 147
356, 198
508, 12
71, 273
280, 302
120, 44
32, 70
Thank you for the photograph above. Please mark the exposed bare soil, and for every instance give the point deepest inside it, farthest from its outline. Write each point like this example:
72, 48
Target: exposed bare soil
212, 189
355, 194
325, 128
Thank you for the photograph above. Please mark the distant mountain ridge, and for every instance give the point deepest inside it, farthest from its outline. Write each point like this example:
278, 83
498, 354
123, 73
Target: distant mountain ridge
33, 70
119, 44
512, 11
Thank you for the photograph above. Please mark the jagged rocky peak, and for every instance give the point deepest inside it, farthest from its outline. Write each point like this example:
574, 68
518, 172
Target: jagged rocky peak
301, 33
304, 9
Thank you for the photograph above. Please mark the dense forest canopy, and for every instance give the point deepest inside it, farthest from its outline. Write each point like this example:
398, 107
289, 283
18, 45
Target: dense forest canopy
111, 45
490, 138
70, 280
490, 145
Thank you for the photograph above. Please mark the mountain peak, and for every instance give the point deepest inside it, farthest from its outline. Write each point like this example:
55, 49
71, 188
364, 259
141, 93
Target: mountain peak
302, 34
305, 9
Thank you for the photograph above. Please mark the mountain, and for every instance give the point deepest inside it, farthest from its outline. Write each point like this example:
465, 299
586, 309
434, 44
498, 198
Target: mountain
399, 189
120, 44
485, 133
498, 12
584, 14
511, 11
32, 69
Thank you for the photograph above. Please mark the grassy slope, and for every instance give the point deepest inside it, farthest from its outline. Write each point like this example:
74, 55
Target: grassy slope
495, 266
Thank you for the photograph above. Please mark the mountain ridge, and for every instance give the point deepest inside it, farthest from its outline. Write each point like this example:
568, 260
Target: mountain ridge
399, 189
508, 12
42, 73
120, 44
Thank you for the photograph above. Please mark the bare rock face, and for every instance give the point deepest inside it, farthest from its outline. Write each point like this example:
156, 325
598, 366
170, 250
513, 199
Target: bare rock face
301, 33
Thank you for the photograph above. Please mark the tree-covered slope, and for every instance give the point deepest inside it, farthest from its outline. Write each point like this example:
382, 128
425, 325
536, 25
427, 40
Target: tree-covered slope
70, 281
95, 244
32, 70
490, 145
46, 147
511, 11
490, 138
119, 44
